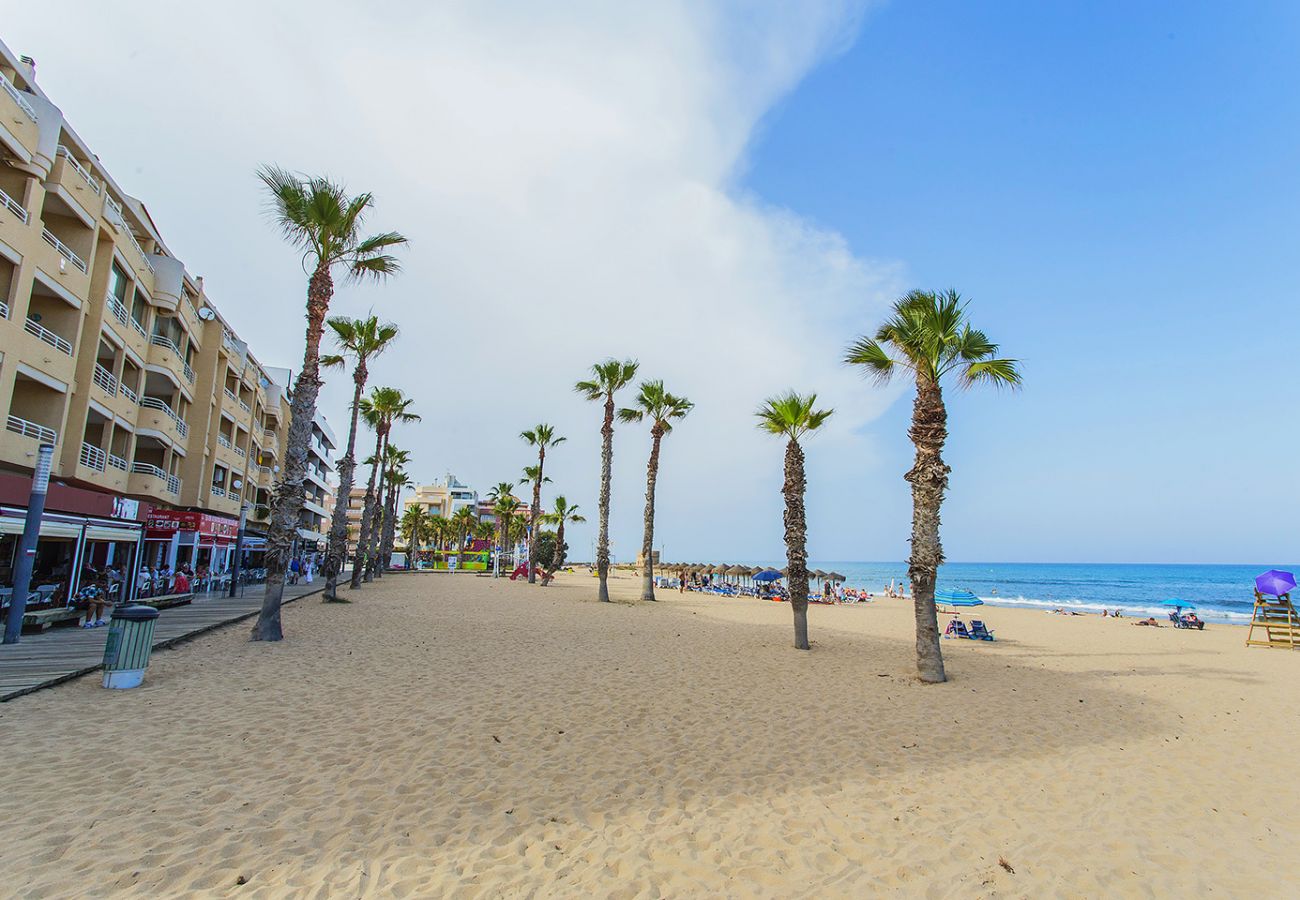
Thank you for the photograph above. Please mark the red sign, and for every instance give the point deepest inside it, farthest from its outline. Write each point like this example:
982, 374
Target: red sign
163, 522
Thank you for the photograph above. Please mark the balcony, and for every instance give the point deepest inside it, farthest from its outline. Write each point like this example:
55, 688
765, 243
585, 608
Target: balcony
117, 309
29, 429
18, 98
159, 340
104, 379
93, 457
130, 394
14, 207
63, 249
155, 479
217, 491
157, 405
118, 462
71, 162
117, 218
224, 441
37, 330
188, 371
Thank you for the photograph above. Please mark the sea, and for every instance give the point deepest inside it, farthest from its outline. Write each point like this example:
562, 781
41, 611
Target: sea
1220, 593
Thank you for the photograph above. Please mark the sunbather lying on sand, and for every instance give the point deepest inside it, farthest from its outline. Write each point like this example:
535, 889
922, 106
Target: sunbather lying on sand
1152, 622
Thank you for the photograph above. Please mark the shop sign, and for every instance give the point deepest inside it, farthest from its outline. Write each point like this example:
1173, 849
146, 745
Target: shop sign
126, 508
167, 521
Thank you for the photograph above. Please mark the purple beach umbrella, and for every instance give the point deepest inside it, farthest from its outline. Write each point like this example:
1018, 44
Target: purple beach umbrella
1275, 583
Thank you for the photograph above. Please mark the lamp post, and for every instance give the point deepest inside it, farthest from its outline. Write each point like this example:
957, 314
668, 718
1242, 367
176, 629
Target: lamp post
239, 548
27, 544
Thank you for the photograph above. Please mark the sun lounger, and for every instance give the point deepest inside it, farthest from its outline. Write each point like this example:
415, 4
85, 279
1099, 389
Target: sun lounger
957, 628
979, 631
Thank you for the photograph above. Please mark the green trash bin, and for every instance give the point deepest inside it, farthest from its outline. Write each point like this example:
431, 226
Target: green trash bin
130, 638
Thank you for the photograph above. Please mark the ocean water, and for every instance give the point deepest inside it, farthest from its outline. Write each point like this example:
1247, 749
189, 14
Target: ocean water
1221, 593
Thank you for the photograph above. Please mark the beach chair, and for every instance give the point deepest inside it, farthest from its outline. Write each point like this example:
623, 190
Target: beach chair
956, 628
979, 631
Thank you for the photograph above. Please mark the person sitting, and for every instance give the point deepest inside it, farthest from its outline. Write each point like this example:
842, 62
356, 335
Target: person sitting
181, 583
1191, 620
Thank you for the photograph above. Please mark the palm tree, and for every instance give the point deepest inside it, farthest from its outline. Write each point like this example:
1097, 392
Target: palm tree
416, 527
541, 437
381, 410
661, 408
608, 378
793, 416
397, 480
464, 521
362, 340
438, 530
318, 218
559, 517
501, 497
928, 336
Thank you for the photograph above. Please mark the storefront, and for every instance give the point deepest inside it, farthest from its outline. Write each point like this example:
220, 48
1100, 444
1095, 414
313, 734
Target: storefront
202, 541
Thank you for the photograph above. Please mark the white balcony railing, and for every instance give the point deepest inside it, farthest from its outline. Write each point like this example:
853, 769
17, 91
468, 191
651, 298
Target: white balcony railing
29, 429
36, 329
230, 395
135, 323
171, 483
105, 379
130, 394
18, 98
117, 462
64, 250
239, 451
81, 170
13, 205
154, 403
116, 307
113, 209
4, 310
245, 407
161, 340
93, 457
218, 492
189, 372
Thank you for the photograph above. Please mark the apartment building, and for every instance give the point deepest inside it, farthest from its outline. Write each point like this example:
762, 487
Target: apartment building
445, 498
163, 422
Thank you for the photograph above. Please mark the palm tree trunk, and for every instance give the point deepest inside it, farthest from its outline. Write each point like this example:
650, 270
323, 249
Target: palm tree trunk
796, 541
367, 510
286, 503
372, 544
648, 540
390, 532
337, 553
606, 468
536, 514
929, 479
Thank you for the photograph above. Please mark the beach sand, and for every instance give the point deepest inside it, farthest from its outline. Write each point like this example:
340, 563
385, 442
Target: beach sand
459, 736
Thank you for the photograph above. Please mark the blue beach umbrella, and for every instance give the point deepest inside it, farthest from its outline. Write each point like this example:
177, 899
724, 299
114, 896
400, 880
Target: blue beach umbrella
957, 598
1181, 604
768, 575
1275, 583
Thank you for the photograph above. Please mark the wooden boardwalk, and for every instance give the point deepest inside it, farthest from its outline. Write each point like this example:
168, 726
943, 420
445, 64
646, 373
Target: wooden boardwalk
42, 660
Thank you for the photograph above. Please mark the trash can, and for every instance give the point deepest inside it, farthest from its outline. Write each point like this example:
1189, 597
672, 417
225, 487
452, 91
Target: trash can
130, 638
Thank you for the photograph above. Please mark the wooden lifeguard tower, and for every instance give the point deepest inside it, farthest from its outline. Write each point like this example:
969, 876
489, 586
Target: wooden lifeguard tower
1277, 619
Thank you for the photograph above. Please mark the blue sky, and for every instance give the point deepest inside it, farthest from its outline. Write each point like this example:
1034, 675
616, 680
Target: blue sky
1116, 188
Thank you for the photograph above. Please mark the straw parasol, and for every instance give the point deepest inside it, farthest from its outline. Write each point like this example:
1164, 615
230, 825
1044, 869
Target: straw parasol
818, 574
836, 576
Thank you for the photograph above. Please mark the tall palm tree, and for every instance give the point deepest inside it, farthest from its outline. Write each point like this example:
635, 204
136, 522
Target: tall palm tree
464, 520
361, 340
559, 517
608, 378
541, 437
928, 337
501, 496
661, 408
793, 416
438, 528
397, 480
384, 407
318, 218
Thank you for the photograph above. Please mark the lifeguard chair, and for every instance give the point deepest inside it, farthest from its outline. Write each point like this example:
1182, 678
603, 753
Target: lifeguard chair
1275, 622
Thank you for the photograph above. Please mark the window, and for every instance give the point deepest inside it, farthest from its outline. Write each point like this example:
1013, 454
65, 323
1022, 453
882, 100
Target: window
140, 310
118, 283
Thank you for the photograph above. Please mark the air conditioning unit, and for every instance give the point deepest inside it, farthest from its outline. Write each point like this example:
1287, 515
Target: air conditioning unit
237, 484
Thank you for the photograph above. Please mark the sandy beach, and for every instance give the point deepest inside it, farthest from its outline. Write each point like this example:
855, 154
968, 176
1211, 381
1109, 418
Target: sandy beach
459, 736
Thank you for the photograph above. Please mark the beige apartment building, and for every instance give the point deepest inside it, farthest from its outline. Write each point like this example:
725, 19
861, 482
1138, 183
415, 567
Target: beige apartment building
163, 422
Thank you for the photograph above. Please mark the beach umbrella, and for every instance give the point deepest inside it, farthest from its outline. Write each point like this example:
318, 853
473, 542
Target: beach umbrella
785, 573
768, 575
1181, 604
1275, 583
836, 576
957, 598
818, 574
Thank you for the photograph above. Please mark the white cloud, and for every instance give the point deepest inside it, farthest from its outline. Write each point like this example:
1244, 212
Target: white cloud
568, 176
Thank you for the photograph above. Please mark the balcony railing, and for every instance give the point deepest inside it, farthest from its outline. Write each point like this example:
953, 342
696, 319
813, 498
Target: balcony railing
161, 340
170, 482
116, 307
230, 395
245, 407
189, 372
81, 170
105, 379
135, 323
4, 310
154, 403
93, 457
18, 98
13, 205
29, 429
64, 250
218, 492
114, 210
32, 327
117, 462
239, 451
130, 394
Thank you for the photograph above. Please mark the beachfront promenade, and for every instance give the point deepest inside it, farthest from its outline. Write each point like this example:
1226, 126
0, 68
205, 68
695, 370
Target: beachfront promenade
42, 660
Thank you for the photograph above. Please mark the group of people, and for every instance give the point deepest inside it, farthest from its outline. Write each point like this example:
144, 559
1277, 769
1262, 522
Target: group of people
831, 592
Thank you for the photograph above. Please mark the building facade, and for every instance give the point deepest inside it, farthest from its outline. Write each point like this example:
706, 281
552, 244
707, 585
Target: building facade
112, 352
445, 498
